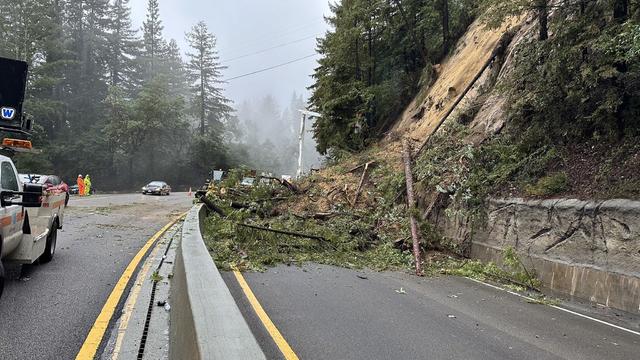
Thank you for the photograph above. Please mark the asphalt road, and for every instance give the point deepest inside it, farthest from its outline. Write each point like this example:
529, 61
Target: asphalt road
47, 310
331, 313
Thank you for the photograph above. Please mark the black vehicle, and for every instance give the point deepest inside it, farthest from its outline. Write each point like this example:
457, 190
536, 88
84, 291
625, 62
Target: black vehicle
156, 188
12, 89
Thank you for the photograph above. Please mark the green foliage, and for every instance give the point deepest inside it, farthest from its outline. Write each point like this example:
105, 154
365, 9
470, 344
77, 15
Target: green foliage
156, 277
33, 164
389, 183
373, 61
512, 272
581, 84
468, 174
351, 237
205, 74
549, 185
109, 101
348, 242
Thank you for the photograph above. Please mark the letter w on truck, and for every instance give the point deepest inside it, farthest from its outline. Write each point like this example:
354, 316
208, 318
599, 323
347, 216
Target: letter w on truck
30, 215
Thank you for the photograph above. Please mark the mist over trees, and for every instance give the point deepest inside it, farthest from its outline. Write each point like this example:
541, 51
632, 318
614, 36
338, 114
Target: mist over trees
271, 135
122, 104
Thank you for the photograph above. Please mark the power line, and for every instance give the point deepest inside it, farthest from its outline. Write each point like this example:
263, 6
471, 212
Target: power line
270, 68
247, 44
269, 48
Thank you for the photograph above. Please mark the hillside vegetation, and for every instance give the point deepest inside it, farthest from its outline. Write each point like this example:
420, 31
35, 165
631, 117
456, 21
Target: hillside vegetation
534, 99
115, 102
555, 113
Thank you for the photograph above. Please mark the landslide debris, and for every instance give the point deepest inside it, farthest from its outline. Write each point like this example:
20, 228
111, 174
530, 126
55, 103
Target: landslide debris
317, 220
270, 223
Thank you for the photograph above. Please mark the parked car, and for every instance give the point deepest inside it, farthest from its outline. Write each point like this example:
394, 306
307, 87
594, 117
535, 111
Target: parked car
74, 190
156, 188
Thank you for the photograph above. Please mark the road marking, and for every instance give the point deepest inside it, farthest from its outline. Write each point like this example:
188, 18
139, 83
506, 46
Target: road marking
558, 307
131, 302
277, 337
94, 338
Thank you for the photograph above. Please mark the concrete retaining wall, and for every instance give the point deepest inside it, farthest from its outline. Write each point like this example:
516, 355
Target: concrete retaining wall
205, 321
586, 249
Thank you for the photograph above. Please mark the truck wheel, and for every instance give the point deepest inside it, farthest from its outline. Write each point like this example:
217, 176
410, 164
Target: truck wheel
50, 249
1, 279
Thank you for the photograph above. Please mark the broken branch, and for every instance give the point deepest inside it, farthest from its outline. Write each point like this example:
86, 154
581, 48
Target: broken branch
211, 206
285, 232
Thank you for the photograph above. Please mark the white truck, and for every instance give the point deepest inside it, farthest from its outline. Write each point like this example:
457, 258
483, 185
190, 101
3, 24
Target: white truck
30, 217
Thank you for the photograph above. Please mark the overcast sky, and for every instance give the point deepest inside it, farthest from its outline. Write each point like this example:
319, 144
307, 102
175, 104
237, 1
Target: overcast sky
245, 27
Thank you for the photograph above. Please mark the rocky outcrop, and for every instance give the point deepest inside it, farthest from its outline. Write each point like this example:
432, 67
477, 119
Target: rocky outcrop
584, 249
603, 235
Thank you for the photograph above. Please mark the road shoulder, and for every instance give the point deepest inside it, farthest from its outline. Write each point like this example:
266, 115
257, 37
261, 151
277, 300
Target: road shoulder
129, 331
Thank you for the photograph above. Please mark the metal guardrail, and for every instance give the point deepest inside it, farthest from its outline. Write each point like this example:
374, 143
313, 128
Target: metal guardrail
205, 320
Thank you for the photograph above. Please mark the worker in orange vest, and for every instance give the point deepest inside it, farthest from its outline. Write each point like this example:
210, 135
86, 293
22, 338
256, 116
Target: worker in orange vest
80, 185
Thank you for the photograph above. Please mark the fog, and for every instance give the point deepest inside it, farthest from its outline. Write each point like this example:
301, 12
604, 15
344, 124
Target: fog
254, 35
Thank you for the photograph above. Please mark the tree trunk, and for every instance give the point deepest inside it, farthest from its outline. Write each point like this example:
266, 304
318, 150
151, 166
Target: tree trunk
445, 27
620, 10
371, 62
357, 50
411, 204
543, 19
202, 79
620, 125
131, 169
411, 29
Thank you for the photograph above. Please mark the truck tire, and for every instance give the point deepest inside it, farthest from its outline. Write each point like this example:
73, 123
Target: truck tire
50, 248
1, 278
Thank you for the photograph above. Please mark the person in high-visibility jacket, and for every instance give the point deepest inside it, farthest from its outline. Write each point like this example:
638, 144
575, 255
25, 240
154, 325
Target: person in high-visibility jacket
80, 185
87, 185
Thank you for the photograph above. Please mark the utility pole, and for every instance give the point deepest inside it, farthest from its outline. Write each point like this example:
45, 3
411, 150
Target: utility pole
303, 120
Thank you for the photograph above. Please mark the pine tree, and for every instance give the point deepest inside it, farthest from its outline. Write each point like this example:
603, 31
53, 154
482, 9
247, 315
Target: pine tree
24, 28
95, 44
154, 43
204, 72
174, 68
124, 48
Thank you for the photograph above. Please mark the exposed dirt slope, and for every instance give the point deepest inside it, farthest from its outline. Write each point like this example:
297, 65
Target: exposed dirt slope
454, 75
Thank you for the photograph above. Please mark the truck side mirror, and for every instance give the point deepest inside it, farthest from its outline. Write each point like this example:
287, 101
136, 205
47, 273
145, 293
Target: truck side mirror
32, 195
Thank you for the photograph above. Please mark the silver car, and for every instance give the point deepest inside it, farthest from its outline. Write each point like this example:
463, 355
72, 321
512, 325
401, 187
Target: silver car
156, 188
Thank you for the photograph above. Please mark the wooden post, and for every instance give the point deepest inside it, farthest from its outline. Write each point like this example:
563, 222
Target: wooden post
411, 204
362, 179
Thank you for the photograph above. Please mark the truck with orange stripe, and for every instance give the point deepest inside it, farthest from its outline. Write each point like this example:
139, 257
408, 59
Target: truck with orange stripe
30, 216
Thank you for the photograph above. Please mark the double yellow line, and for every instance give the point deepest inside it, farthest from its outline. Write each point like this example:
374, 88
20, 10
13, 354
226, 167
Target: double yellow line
96, 334
275, 334
100, 326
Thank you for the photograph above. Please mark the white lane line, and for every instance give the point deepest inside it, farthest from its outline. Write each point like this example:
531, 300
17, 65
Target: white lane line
558, 307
